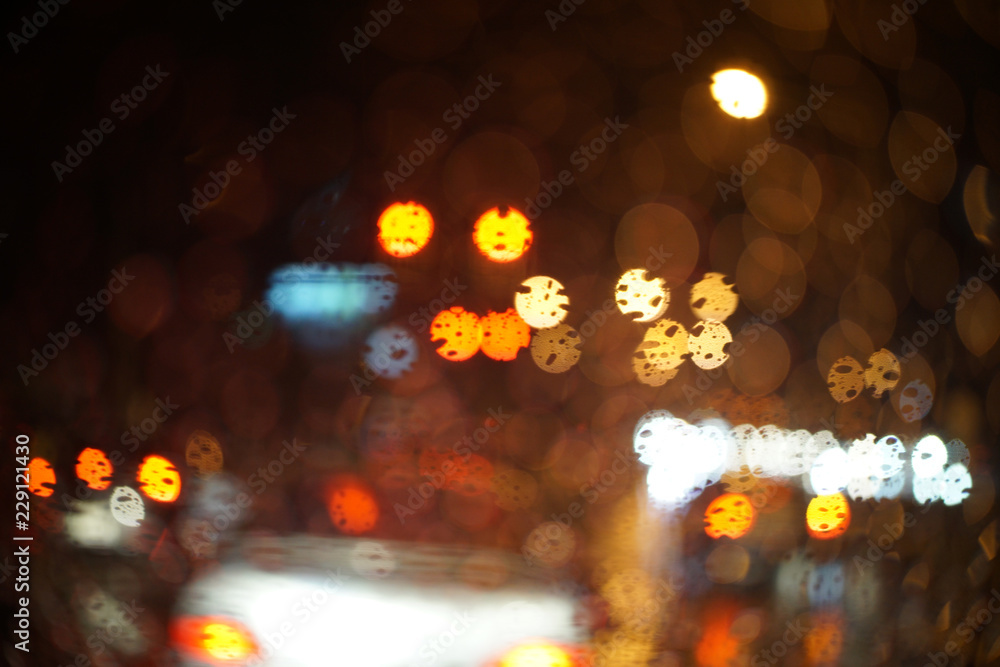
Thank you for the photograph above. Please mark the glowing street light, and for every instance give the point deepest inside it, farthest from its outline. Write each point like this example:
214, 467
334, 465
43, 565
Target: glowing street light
739, 93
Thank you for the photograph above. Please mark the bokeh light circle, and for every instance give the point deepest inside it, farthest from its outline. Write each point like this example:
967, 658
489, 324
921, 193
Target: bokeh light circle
502, 234
731, 515
828, 516
405, 229
739, 93
461, 332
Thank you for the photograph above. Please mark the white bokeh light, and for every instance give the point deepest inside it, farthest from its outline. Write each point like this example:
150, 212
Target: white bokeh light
955, 484
929, 456
739, 93
543, 305
831, 472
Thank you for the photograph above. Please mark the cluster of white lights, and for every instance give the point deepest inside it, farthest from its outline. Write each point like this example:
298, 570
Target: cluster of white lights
686, 458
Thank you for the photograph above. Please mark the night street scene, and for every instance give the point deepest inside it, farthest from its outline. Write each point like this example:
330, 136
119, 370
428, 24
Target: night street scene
496, 333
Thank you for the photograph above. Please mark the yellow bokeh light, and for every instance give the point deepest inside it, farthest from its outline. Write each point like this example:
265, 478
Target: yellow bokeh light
225, 642
502, 235
731, 514
537, 655
828, 516
739, 93
159, 479
404, 229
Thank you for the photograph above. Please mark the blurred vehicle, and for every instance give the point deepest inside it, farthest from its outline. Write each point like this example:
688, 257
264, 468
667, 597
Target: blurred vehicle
299, 601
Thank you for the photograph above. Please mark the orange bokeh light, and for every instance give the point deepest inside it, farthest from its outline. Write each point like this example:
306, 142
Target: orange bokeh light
503, 236
213, 639
159, 479
717, 646
503, 335
352, 505
828, 517
405, 229
94, 468
40, 472
461, 332
731, 514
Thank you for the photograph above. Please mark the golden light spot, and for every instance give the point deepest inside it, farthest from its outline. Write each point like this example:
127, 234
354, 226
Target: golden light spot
94, 468
557, 349
846, 379
731, 515
537, 655
503, 335
828, 516
707, 343
714, 297
203, 454
882, 373
544, 304
461, 332
662, 350
159, 479
644, 299
405, 229
40, 477
502, 235
739, 93
352, 506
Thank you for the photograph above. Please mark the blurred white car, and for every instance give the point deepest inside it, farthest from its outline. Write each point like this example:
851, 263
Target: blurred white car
309, 601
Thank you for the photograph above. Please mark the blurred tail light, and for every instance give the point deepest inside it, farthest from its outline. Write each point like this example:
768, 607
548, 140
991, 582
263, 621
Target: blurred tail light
214, 639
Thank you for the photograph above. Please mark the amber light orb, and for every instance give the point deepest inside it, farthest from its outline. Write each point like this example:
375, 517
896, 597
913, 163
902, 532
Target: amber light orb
504, 334
159, 479
731, 515
352, 505
94, 468
40, 477
503, 234
828, 516
405, 229
461, 332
